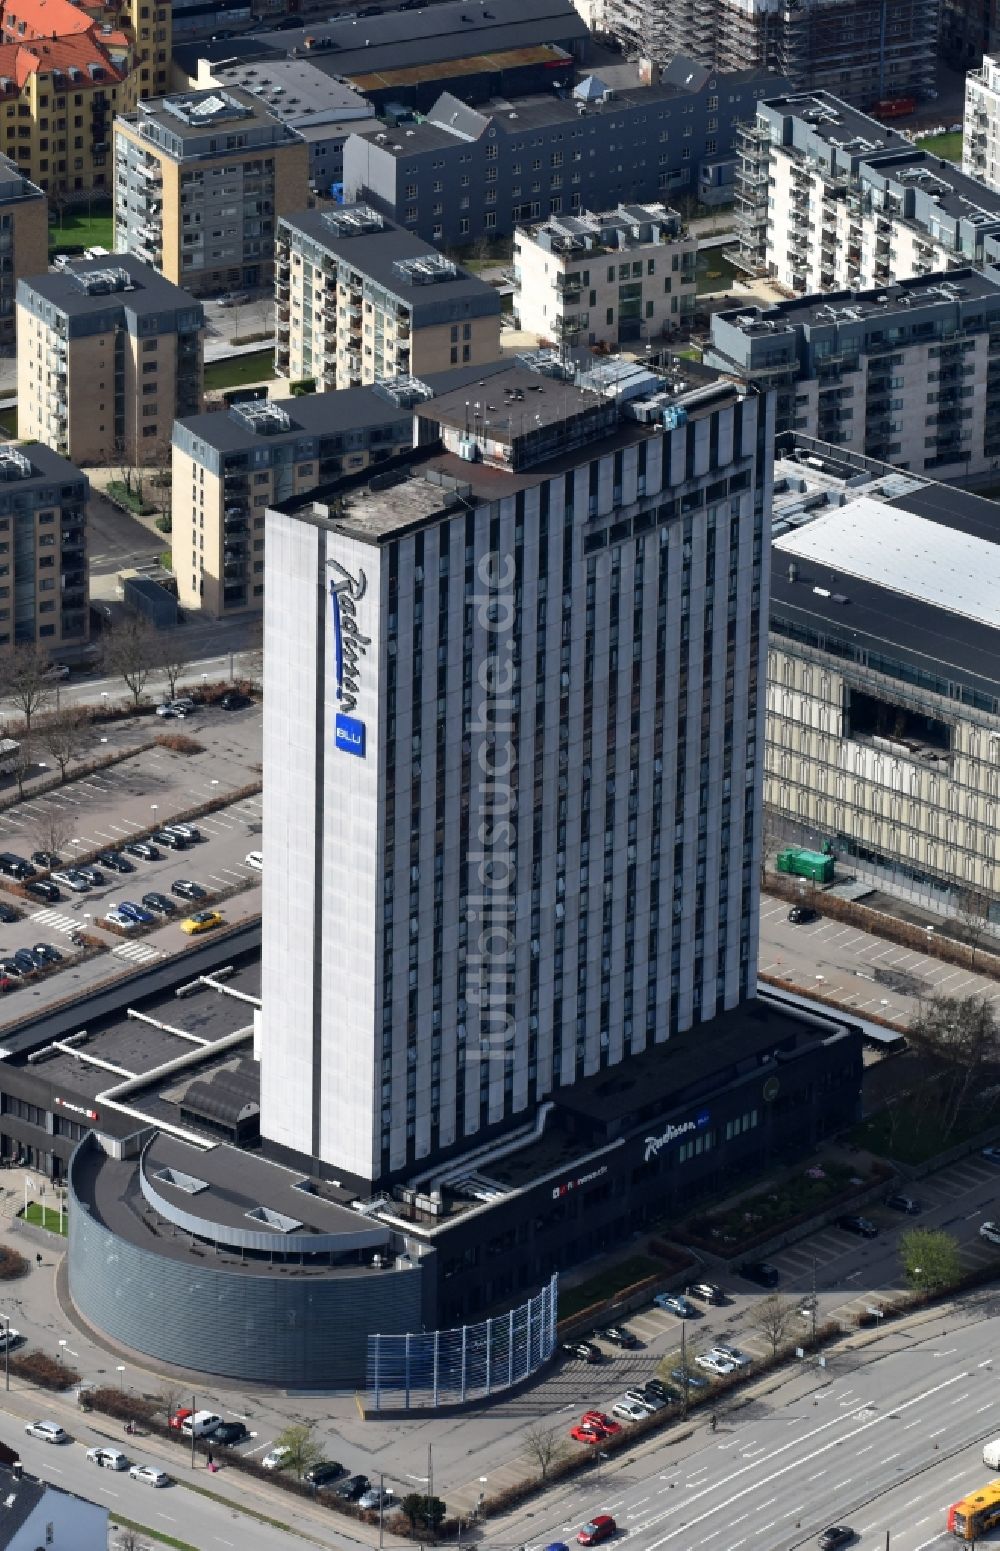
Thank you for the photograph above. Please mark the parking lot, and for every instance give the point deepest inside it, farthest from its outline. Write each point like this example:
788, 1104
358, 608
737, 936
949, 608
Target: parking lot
857, 969
105, 809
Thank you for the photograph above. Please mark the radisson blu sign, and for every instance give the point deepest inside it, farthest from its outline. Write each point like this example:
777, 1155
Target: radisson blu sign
349, 647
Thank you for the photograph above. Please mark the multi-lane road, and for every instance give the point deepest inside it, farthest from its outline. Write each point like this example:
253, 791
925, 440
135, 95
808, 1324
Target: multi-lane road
880, 1443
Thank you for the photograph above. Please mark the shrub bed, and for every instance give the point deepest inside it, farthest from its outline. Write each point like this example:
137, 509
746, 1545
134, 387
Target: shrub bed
45, 1371
180, 743
12, 1264
795, 1199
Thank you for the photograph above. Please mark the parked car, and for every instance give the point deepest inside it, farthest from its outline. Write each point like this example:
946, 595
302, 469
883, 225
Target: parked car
10, 1338
13, 866
733, 1354
676, 1303
619, 1336
707, 1292
715, 1363
25, 961
234, 701
56, 672
114, 861
162, 903
143, 850
7, 912
46, 859
44, 954
108, 1459
230, 1433
587, 1432
234, 299
836, 1536
323, 1472
255, 859
600, 1419
49, 1432
661, 1390
276, 1458
114, 917
692, 1380
188, 832
41, 888
73, 880
179, 1417
862, 1227
185, 889
991, 1154
93, 875
642, 1397
601, 1527
168, 838
761, 1272
202, 921
585, 1350
353, 1488
906, 1204
137, 913
149, 1475
802, 915
629, 1410
990, 1231
377, 1497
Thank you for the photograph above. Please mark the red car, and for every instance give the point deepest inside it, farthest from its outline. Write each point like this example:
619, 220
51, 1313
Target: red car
599, 1419
179, 1417
588, 1432
601, 1527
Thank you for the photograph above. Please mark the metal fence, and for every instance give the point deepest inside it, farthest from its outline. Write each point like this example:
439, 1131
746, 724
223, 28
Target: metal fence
422, 1370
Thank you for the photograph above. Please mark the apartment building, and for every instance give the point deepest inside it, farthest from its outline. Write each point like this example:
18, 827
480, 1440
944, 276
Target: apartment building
358, 299
828, 198
612, 278
981, 137
228, 468
109, 353
864, 50
44, 586
65, 71
463, 172
201, 179
908, 374
883, 717
24, 239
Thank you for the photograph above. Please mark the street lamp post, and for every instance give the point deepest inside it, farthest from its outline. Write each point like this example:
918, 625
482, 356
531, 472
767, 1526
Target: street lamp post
121, 1378
6, 1351
63, 1343
381, 1508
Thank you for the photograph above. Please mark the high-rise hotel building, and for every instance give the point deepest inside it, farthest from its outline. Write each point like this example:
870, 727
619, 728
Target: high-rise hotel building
513, 734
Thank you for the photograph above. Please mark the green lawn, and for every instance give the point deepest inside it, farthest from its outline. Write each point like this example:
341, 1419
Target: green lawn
45, 1217
800, 1191
81, 227
947, 146
911, 1132
606, 1284
239, 370
8, 421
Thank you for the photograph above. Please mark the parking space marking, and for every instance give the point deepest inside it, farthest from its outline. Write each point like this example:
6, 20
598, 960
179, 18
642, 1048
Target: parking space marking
58, 923
137, 952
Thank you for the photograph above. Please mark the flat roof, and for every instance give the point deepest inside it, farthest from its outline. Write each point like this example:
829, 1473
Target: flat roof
377, 253
546, 54
830, 119
149, 292
945, 287
249, 114
294, 89
544, 401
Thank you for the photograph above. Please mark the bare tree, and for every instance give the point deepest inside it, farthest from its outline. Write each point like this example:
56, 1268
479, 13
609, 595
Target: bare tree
162, 460
544, 1447
959, 1040
65, 736
23, 763
129, 1540
972, 911
174, 660
131, 474
25, 680
170, 1395
52, 829
772, 1319
132, 651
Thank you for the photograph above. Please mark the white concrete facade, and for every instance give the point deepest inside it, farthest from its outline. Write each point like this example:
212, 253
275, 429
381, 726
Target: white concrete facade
981, 127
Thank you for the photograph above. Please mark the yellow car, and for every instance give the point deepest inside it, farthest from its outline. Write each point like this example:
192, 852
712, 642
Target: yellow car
202, 921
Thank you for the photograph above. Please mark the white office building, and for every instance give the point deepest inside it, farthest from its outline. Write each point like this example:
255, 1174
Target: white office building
981, 137
513, 735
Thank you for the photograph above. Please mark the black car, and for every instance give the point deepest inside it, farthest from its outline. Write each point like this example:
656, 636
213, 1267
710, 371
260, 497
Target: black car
173, 842
234, 701
230, 1433
9, 914
836, 1536
585, 1350
46, 859
93, 875
325, 1471
143, 850
660, 1390
185, 889
801, 915
45, 953
24, 959
761, 1272
41, 888
619, 1336
706, 1292
114, 861
154, 900
862, 1227
353, 1488
907, 1204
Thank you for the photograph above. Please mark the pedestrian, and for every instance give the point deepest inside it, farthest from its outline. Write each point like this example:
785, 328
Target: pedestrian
211, 1460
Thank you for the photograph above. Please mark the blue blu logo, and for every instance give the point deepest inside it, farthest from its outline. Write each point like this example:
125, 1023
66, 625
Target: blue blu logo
702, 1119
349, 735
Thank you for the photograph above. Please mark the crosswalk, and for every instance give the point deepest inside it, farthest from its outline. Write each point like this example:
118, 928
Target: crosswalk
136, 952
57, 921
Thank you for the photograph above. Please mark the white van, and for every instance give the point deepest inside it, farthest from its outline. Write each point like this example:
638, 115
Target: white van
991, 1454
201, 1424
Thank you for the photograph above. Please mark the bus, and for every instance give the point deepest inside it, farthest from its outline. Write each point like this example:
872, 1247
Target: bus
976, 1514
